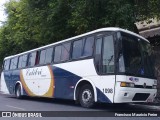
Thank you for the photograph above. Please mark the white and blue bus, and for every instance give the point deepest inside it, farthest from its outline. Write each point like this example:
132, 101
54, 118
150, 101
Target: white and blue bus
109, 65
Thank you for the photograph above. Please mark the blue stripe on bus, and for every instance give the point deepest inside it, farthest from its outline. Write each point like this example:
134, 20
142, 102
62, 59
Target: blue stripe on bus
11, 78
101, 97
63, 82
7, 79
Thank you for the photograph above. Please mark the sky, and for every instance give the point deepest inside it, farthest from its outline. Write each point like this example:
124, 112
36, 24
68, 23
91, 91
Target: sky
2, 13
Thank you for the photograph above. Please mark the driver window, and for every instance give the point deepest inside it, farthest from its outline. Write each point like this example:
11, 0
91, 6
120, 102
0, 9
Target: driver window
108, 55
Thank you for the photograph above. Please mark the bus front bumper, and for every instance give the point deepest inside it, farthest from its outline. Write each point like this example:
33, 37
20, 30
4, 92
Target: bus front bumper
125, 95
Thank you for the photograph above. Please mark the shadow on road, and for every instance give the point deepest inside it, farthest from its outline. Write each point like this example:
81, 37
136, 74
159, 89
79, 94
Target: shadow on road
98, 106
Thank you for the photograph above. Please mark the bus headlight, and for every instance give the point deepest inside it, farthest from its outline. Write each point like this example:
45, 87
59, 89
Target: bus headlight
126, 84
154, 86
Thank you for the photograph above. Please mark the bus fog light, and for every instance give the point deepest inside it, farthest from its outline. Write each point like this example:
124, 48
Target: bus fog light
154, 87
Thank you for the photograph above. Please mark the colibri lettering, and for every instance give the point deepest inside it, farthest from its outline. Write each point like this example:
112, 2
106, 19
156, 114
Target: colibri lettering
36, 71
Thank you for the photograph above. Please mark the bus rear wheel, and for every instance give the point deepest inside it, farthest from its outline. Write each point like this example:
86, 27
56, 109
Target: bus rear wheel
18, 92
86, 96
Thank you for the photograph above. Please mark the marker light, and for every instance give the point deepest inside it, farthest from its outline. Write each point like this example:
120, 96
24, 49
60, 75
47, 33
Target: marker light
126, 84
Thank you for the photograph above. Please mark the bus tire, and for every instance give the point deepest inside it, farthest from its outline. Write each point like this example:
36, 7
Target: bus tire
86, 96
18, 92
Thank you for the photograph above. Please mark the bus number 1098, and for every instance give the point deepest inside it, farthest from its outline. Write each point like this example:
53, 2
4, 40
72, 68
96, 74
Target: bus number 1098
107, 90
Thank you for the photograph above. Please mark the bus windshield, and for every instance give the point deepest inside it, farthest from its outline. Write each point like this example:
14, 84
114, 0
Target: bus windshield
137, 56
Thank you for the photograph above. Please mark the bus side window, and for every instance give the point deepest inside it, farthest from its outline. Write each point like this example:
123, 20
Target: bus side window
57, 53
6, 64
98, 54
33, 59
24, 60
20, 62
42, 57
65, 51
77, 49
14, 62
88, 47
49, 53
46, 56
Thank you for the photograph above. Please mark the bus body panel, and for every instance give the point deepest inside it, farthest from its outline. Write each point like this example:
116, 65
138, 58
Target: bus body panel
4, 87
105, 87
60, 80
142, 92
37, 81
102, 83
10, 80
64, 82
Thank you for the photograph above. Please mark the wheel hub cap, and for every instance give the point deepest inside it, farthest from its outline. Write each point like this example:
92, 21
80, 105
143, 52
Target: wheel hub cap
86, 96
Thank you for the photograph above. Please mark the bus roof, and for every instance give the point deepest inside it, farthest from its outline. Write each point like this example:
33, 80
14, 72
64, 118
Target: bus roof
78, 36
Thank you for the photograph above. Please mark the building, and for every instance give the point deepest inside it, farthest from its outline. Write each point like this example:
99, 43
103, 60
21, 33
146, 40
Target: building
151, 30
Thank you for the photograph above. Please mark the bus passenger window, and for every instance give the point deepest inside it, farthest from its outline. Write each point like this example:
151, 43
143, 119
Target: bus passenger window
32, 59
20, 62
65, 51
24, 60
77, 49
57, 54
6, 64
88, 47
42, 57
49, 53
14, 62
46, 56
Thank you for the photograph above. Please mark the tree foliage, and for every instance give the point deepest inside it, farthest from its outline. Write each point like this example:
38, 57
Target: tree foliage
33, 23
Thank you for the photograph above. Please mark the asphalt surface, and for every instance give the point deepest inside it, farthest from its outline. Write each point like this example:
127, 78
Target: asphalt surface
10, 103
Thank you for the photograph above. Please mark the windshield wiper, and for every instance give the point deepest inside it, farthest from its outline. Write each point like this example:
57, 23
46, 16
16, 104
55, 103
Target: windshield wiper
109, 60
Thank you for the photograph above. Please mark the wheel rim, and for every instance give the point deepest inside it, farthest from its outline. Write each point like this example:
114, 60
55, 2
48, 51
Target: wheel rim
86, 96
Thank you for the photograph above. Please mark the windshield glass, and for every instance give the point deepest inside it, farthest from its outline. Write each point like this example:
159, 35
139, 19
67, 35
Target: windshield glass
137, 55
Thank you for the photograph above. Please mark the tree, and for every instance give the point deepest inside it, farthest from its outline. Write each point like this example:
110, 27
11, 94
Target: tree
33, 23
93, 14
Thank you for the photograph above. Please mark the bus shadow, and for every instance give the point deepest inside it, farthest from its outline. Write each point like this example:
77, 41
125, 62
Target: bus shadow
98, 107
47, 100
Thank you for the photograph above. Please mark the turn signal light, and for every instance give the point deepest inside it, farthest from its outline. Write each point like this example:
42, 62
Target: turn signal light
126, 84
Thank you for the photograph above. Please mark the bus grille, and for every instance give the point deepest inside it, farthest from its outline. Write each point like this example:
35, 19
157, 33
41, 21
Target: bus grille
141, 86
140, 96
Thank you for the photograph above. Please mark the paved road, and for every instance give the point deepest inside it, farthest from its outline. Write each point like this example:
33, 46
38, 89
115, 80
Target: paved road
10, 103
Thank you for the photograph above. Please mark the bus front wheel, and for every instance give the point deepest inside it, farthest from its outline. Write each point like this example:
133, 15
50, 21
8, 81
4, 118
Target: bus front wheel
86, 96
18, 92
